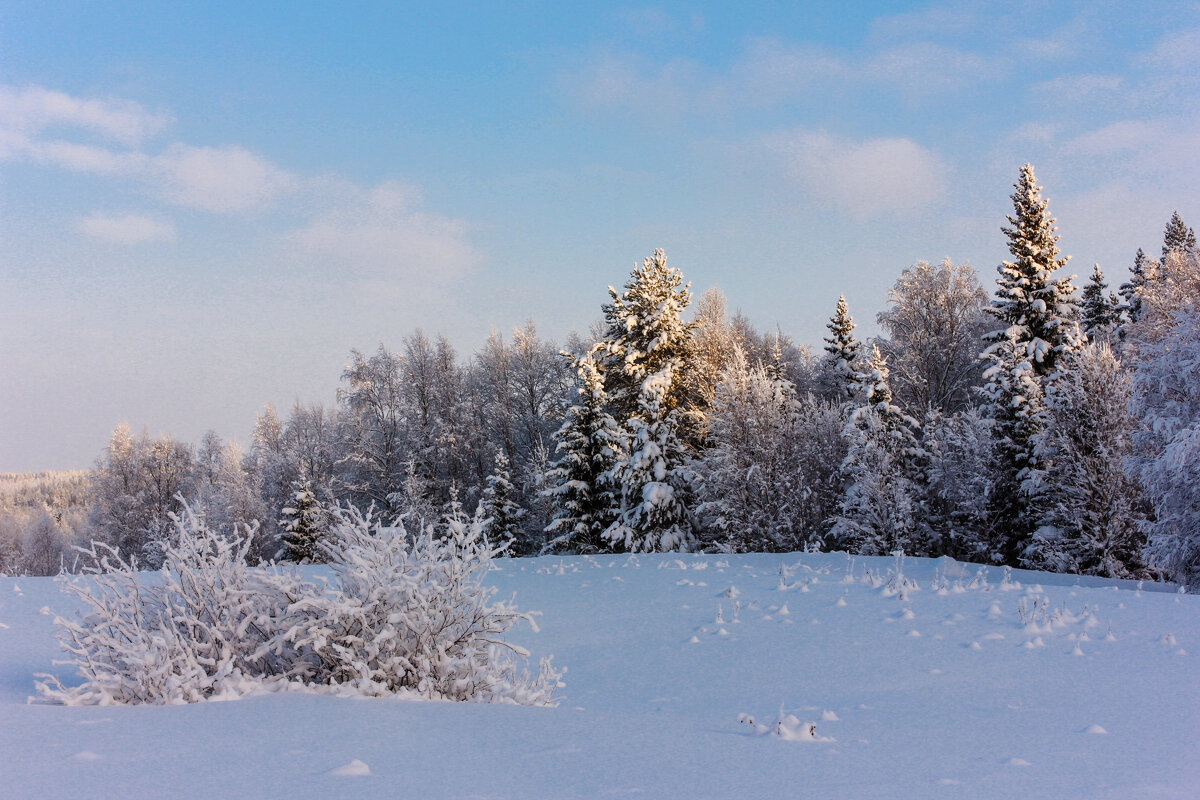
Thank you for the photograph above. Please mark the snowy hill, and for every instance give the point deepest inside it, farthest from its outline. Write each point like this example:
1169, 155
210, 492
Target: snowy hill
691, 676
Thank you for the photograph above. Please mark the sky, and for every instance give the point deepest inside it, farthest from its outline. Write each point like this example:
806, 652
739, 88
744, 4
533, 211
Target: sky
205, 207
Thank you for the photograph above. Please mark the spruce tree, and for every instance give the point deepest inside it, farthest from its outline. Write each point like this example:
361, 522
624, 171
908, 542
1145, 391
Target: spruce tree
499, 508
1100, 309
654, 478
882, 508
1091, 515
1177, 237
1037, 308
840, 368
644, 333
1130, 294
1014, 402
304, 524
588, 446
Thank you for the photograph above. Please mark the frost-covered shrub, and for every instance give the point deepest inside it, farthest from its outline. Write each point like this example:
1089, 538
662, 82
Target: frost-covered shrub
203, 629
404, 614
412, 613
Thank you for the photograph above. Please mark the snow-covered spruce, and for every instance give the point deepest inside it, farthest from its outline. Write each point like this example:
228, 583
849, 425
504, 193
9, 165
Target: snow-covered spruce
403, 615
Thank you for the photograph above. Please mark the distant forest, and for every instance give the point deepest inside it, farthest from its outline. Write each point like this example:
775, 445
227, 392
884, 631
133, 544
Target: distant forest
1031, 422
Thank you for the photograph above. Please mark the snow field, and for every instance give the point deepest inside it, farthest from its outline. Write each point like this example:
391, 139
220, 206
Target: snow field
664, 655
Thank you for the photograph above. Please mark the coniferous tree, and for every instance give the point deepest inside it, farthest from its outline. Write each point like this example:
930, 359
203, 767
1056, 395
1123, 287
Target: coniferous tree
1100, 309
644, 333
881, 510
1131, 302
1177, 237
959, 483
1091, 515
656, 484
1039, 309
304, 524
502, 515
589, 444
1014, 403
840, 369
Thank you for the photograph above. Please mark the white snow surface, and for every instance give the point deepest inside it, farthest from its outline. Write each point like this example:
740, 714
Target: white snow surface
654, 694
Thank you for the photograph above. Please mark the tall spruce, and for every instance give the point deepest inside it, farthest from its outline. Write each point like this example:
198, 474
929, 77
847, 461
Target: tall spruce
577, 482
644, 332
840, 369
1038, 309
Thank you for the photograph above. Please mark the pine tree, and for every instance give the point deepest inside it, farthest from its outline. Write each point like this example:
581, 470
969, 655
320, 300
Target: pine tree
1100, 310
1014, 402
1091, 518
654, 479
840, 368
1177, 237
500, 510
588, 446
644, 333
1039, 309
304, 525
881, 510
1131, 301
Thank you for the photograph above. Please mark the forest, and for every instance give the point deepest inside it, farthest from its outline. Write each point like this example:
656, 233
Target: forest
1026, 421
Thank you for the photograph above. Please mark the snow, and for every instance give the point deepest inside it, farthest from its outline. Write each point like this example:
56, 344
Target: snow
852, 705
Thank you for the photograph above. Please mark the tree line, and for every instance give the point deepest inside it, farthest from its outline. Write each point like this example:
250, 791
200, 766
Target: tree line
1039, 426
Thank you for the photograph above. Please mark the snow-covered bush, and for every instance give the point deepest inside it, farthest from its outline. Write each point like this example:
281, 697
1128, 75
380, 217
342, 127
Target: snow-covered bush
412, 613
404, 614
204, 629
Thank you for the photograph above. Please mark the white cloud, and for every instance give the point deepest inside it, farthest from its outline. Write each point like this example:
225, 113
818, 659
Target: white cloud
33, 109
384, 233
127, 228
865, 178
220, 179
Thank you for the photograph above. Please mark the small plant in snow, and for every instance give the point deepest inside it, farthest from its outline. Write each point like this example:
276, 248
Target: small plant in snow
403, 615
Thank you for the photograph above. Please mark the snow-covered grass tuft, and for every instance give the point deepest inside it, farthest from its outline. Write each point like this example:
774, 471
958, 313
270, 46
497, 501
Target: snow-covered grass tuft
403, 615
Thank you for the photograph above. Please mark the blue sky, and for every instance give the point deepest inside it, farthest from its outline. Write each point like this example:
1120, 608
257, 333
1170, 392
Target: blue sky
203, 208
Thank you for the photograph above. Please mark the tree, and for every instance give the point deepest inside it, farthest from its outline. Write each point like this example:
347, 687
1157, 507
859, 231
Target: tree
713, 340
501, 513
589, 444
1100, 311
1092, 515
375, 416
881, 509
756, 485
1130, 301
1014, 403
1038, 309
654, 479
935, 330
304, 525
1166, 400
959, 483
644, 333
840, 372
1177, 237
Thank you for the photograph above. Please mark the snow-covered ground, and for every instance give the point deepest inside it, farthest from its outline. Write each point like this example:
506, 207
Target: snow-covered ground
1038, 686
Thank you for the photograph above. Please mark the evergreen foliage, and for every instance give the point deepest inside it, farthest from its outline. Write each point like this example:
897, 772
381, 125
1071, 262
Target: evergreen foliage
1130, 290
304, 524
1177, 237
881, 510
655, 481
644, 333
840, 369
589, 444
498, 507
1039, 309
1100, 310
1091, 514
